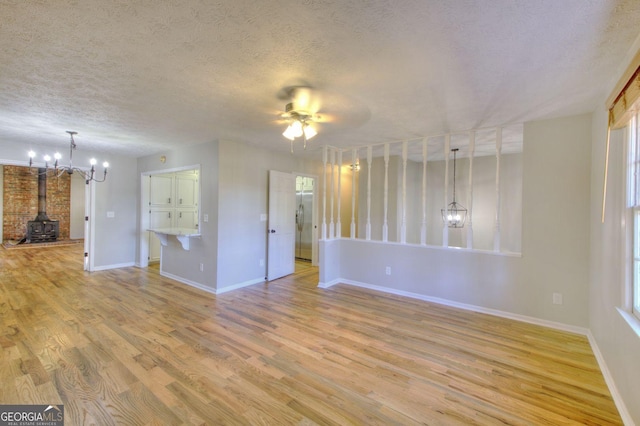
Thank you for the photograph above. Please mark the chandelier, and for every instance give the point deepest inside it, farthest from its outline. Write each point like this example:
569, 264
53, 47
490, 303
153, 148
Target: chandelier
454, 215
299, 125
58, 170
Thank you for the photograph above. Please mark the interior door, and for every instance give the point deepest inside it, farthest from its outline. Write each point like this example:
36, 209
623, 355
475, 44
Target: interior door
281, 239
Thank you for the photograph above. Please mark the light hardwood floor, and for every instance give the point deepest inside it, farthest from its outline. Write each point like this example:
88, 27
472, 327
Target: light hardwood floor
130, 347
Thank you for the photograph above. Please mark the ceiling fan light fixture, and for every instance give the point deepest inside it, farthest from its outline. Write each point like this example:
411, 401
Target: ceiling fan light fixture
296, 128
289, 133
300, 115
309, 131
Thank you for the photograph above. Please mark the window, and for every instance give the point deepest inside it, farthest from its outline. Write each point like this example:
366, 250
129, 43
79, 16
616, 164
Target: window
633, 203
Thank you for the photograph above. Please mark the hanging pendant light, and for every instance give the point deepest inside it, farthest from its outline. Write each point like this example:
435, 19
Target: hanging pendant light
454, 216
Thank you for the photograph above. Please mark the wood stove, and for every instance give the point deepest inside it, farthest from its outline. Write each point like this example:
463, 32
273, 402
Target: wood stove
42, 229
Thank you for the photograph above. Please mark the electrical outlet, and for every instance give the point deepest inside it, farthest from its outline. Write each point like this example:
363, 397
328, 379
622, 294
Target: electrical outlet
206, 217
261, 263
202, 267
387, 270
557, 298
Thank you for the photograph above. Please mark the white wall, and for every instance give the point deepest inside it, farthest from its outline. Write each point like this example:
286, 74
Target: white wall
555, 253
115, 238
177, 262
555, 217
618, 343
243, 197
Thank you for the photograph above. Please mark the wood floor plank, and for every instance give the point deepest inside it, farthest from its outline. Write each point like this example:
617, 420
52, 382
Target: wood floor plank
128, 346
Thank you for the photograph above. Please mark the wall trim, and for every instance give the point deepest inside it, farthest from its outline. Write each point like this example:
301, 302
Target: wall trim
426, 246
330, 283
114, 266
617, 398
239, 285
504, 314
611, 384
188, 282
209, 289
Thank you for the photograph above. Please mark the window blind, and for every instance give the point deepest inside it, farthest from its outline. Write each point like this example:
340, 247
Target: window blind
623, 101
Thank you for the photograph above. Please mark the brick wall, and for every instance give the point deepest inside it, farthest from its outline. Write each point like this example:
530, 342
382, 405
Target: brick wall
20, 200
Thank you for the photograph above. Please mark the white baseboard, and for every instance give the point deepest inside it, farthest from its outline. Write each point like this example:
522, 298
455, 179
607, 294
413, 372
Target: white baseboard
608, 378
329, 284
239, 285
189, 282
115, 266
209, 289
532, 320
617, 399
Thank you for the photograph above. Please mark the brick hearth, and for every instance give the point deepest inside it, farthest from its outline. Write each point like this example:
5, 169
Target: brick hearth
20, 200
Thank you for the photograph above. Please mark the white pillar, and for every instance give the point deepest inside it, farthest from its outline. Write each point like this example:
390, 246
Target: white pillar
369, 159
496, 233
332, 229
339, 222
472, 149
403, 226
445, 227
324, 193
423, 227
354, 162
385, 226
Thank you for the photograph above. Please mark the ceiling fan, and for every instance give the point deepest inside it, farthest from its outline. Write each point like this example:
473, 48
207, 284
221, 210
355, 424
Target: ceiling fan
308, 110
301, 113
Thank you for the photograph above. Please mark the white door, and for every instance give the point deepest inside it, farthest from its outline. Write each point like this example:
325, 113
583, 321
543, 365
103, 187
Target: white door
281, 237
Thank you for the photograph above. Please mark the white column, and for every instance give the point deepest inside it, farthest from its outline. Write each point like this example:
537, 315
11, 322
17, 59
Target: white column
369, 159
472, 149
403, 226
496, 233
332, 228
324, 193
339, 222
445, 228
354, 162
423, 227
385, 226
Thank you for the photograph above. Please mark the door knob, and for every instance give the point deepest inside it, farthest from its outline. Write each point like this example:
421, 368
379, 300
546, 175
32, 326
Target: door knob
273, 231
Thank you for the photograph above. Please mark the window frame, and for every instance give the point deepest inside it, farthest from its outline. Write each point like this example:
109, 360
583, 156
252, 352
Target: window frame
633, 210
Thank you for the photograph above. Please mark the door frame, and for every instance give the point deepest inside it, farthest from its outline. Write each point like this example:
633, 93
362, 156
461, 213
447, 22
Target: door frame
314, 217
89, 225
143, 222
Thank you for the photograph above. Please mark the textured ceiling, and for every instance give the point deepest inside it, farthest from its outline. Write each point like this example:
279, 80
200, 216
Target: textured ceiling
140, 77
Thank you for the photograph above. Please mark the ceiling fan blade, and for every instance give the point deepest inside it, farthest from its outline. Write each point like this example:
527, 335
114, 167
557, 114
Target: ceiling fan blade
331, 108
